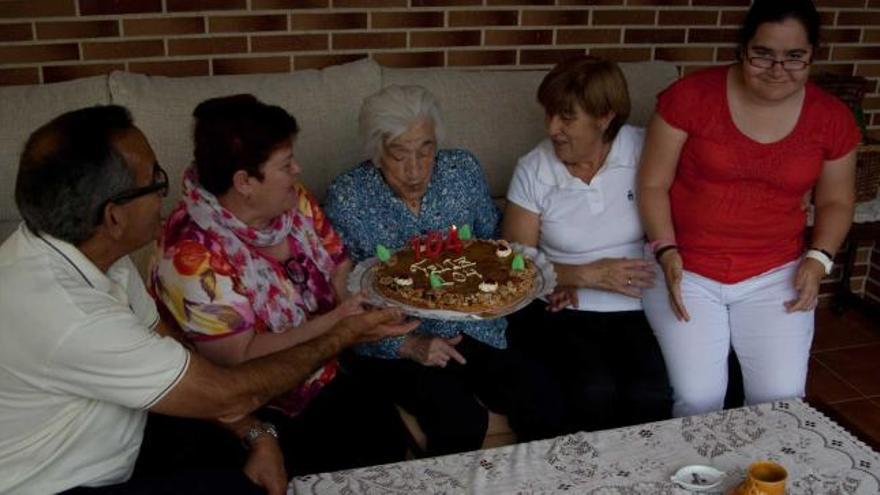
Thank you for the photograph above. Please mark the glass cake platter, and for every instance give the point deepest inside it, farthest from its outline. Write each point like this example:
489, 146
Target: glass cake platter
361, 279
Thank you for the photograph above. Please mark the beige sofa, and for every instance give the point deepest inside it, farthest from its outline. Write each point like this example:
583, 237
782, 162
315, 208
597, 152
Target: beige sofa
494, 114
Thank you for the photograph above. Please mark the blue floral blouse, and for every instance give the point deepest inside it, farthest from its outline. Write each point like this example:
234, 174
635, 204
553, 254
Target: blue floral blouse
366, 212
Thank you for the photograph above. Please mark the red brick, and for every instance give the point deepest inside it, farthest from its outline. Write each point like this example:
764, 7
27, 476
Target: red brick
858, 18
845, 69
444, 38
622, 17
725, 54
721, 3
123, 49
587, 36
390, 20
43, 8
301, 62
871, 36
115, 7
445, 3
874, 135
868, 70
247, 23
459, 18
361, 41
77, 29
38, 53
840, 35
258, 65
289, 43
19, 76
856, 52
690, 69
839, 3
546, 56
654, 36
16, 32
56, 73
687, 17
519, 37
163, 25
370, 3
203, 5
207, 46
622, 54
555, 17
519, 2
733, 17
593, 2
685, 54
468, 58
660, 3
410, 59
172, 68
288, 4
314, 22
715, 35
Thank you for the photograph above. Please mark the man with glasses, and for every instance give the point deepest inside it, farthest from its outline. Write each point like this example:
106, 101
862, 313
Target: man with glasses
82, 352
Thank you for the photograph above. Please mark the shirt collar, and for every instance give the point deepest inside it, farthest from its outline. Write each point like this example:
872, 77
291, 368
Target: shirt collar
72, 258
552, 171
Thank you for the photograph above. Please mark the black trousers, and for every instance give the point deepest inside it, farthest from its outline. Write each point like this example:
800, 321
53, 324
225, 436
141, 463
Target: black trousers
608, 364
450, 403
345, 426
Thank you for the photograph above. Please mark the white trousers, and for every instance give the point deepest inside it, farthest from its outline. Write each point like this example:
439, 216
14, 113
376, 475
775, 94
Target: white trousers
773, 346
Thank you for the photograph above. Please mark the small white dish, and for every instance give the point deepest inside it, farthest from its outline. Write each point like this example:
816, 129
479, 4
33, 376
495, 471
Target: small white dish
698, 478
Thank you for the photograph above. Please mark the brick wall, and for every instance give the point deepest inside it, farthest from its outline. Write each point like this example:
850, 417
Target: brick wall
45, 41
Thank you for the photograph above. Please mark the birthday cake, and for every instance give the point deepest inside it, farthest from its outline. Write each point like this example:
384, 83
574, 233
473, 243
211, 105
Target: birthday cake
470, 276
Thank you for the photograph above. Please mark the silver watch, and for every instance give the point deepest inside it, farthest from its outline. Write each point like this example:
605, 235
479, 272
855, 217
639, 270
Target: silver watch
255, 431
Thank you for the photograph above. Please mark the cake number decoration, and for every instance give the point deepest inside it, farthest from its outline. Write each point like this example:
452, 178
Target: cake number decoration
383, 253
518, 263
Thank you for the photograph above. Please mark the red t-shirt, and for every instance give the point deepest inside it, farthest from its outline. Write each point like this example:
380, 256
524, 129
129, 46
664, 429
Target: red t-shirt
736, 203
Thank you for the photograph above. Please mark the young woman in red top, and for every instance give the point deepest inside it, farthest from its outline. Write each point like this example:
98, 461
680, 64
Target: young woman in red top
728, 158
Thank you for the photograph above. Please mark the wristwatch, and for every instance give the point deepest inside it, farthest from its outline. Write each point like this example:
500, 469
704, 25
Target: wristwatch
255, 431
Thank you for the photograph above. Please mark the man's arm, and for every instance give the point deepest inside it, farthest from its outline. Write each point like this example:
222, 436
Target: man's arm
229, 393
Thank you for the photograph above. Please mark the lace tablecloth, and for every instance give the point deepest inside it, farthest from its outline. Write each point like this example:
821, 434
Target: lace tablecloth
821, 458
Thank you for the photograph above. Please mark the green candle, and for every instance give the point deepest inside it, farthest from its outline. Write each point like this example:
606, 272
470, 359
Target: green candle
518, 263
464, 233
383, 253
436, 281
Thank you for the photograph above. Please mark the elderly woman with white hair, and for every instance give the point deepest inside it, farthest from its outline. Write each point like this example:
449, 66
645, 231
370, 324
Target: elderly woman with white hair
444, 373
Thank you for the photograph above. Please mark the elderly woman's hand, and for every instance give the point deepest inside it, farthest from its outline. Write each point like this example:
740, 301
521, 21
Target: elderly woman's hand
561, 298
624, 275
350, 306
431, 351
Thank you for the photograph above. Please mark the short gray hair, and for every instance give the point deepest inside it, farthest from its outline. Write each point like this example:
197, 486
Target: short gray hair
390, 112
69, 169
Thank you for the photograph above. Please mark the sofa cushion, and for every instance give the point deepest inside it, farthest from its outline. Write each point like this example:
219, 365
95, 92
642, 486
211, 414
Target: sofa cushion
495, 114
22, 110
324, 103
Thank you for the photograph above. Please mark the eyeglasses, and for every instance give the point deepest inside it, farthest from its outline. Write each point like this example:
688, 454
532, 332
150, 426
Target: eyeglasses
159, 184
790, 64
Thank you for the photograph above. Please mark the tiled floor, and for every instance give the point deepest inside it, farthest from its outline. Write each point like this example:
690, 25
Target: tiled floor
844, 379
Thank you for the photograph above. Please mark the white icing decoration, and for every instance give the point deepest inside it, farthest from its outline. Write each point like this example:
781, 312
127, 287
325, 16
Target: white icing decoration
488, 286
503, 250
403, 281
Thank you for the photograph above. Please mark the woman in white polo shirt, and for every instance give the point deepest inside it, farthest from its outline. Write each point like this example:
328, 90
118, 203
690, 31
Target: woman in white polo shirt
573, 196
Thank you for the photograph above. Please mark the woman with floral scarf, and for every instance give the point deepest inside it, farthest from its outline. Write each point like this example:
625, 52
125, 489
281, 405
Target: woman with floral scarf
248, 265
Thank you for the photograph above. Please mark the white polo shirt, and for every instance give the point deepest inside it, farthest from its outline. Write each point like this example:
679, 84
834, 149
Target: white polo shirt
79, 366
581, 222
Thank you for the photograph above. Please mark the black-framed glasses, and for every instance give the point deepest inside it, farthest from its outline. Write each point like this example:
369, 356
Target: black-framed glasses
159, 184
789, 64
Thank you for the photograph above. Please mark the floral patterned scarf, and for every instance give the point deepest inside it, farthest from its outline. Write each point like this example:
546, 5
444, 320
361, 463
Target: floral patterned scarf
261, 280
